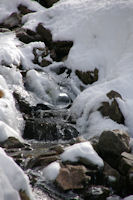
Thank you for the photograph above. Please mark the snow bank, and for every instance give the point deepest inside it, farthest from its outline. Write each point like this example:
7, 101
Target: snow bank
102, 32
82, 150
13, 179
51, 171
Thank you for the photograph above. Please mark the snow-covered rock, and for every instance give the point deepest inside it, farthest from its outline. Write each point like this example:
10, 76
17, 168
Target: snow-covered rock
82, 152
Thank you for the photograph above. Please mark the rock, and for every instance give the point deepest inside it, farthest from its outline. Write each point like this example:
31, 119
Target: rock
24, 104
111, 177
45, 62
24, 10
61, 69
112, 109
12, 142
47, 3
23, 195
97, 193
41, 161
13, 21
88, 77
48, 130
45, 34
27, 36
60, 49
3, 30
39, 53
126, 163
112, 144
72, 177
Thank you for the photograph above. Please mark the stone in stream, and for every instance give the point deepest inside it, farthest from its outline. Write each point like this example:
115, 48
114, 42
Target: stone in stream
96, 193
72, 177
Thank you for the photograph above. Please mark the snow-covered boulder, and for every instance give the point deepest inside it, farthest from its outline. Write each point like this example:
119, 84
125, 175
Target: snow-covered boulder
84, 153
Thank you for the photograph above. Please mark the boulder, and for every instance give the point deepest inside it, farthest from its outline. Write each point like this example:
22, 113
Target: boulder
112, 109
96, 193
45, 62
112, 144
72, 177
61, 69
88, 77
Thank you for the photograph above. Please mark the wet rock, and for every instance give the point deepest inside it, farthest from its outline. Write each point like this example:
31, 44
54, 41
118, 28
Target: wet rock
111, 177
48, 3
126, 163
23, 195
88, 77
24, 10
97, 193
48, 130
72, 177
112, 109
60, 50
12, 142
40, 53
45, 34
13, 21
112, 144
41, 161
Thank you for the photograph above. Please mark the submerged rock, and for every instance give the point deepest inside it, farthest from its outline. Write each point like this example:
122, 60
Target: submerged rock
97, 193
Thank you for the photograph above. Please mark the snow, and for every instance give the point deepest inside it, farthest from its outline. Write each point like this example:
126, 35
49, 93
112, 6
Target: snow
82, 150
51, 171
12, 179
129, 197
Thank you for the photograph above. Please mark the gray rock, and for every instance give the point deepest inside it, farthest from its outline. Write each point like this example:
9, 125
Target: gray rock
13, 21
126, 163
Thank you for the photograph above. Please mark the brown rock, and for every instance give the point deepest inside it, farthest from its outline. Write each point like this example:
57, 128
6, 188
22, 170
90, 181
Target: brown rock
72, 177
12, 142
88, 77
45, 63
112, 110
23, 195
24, 10
45, 34
60, 50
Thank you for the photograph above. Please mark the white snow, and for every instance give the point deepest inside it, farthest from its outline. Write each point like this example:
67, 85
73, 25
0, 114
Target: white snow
129, 197
51, 171
12, 179
82, 150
